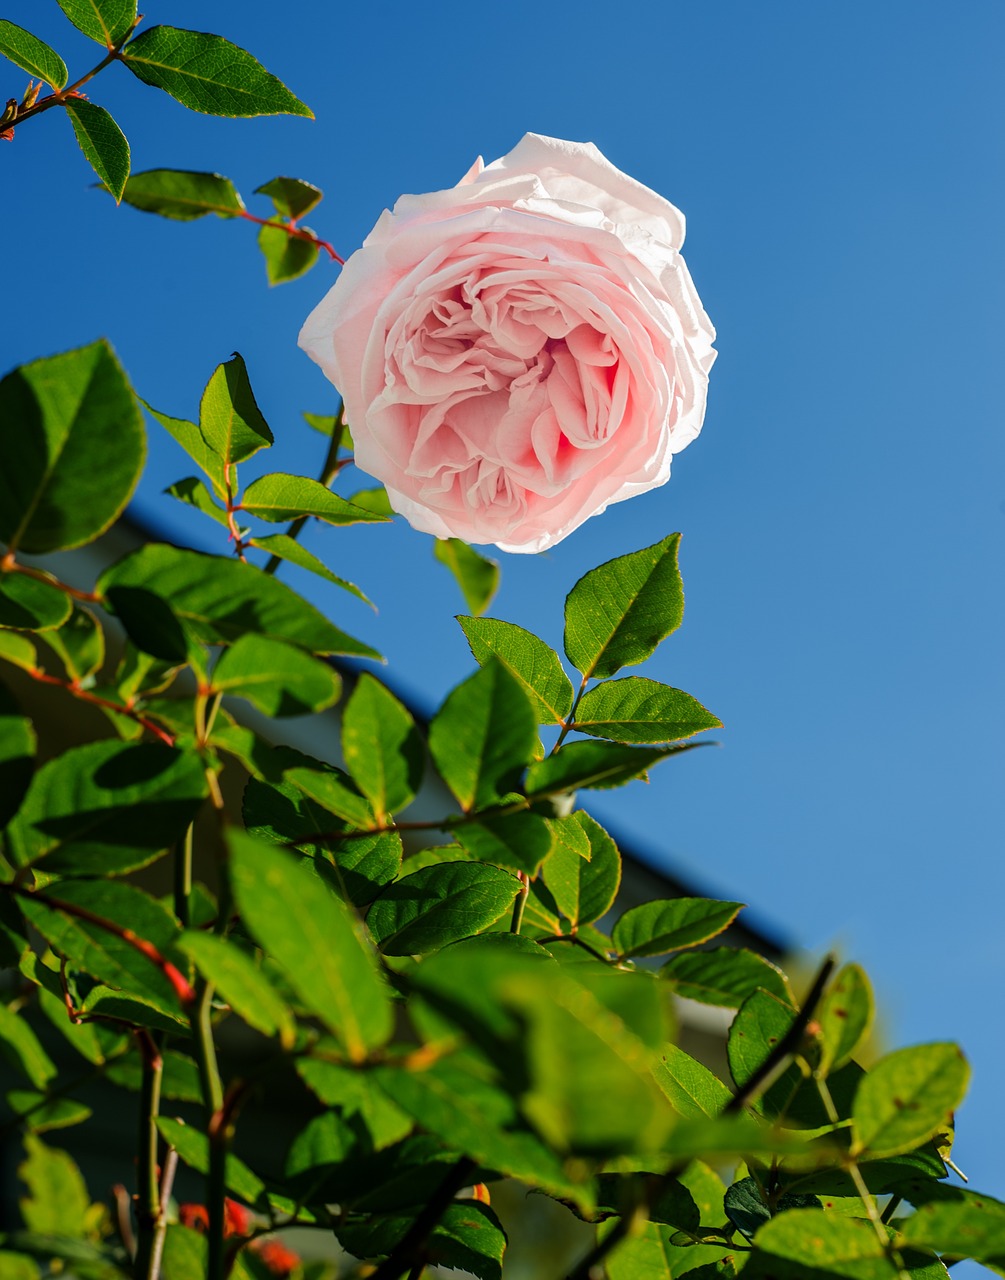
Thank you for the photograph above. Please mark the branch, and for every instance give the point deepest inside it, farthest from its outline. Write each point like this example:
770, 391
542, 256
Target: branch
329, 471
74, 688
407, 1251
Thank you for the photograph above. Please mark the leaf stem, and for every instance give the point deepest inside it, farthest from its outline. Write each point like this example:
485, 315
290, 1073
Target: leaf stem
8, 564
211, 1088
570, 721
183, 877
520, 904
295, 233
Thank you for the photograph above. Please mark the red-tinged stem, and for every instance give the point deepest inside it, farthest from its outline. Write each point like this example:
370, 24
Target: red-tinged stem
295, 232
9, 565
232, 506
71, 686
58, 99
185, 991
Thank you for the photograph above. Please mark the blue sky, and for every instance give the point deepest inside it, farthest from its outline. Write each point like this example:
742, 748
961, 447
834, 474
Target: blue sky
843, 511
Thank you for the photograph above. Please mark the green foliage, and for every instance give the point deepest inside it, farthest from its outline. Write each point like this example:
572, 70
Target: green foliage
183, 195
530, 660
207, 73
32, 55
476, 575
103, 143
449, 1014
618, 613
105, 21
74, 452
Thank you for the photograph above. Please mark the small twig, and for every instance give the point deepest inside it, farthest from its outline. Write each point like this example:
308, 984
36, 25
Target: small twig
123, 1220
295, 232
185, 991
160, 1235
58, 99
408, 1250
570, 721
84, 695
520, 904
788, 1044
8, 564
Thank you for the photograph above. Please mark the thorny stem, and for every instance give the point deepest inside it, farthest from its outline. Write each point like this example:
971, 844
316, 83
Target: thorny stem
59, 97
181, 984
329, 471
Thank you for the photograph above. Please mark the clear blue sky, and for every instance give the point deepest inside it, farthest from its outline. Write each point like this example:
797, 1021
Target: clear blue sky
841, 170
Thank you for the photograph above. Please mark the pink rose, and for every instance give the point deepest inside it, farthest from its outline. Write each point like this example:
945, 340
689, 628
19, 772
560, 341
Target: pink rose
521, 350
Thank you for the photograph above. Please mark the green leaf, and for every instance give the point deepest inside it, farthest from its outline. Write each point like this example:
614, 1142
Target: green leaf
438, 905
241, 983
452, 1100
19, 651
382, 747
758, 1026
613, 1106
375, 500
310, 933
74, 452
287, 548
520, 841
530, 660
207, 73
105, 21
355, 1093
816, 1243
42, 1114
292, 197
951, 1220
618, 613
568, 860
844, 1017
467, 1237
599, 765
281, 497
653, 928
287, 257
725, 976
182, 194
229, 417
476, 575
57, 1201
80, 644
639, 710
692, 1089
649, 1253
106, 808
179, 1081
326, 423
332, 790
193, 1147
103, 143
31, 604
22, 1049
17, 756
195, 494
32, 55
747, 1210
483, 736
188, 435
164, 594
276, 677
906, 1098
101, 953
599, 883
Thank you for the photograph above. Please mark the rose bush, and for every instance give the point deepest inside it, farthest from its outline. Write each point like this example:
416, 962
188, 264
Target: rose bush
521, 350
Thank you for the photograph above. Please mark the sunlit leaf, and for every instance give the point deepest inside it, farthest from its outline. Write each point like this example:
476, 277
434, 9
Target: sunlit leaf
32, 55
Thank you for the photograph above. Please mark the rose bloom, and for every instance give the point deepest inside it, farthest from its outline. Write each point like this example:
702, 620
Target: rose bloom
521, 350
